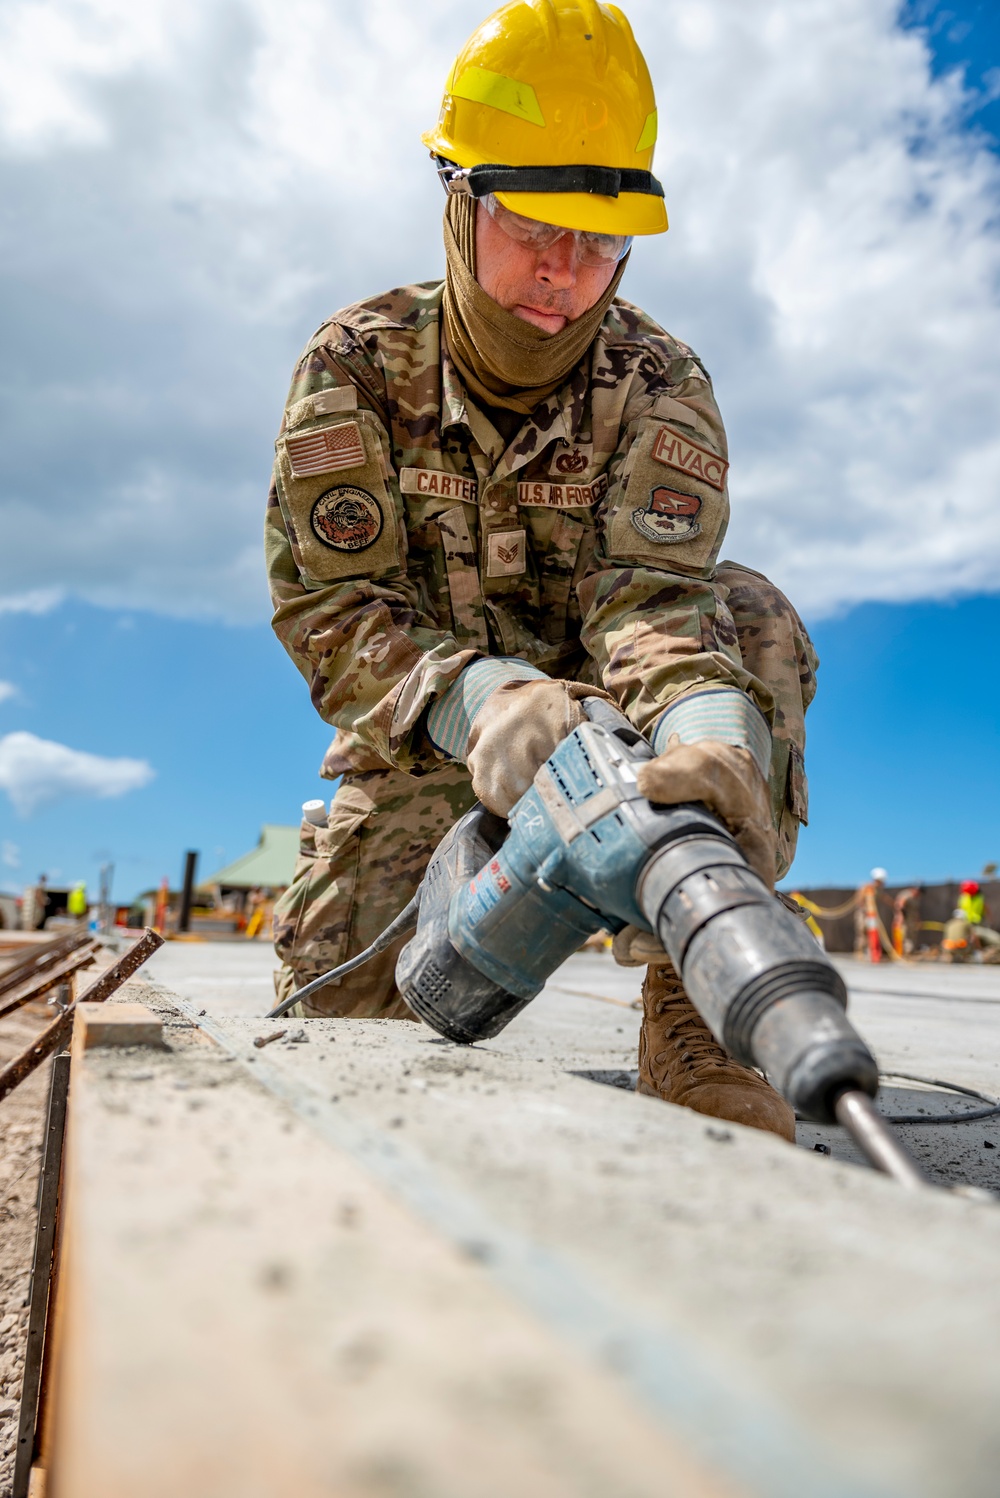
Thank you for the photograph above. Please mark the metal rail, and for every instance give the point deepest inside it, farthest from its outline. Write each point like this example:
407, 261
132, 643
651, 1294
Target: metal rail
36, 959
41, 1275
41, 982
59, 1031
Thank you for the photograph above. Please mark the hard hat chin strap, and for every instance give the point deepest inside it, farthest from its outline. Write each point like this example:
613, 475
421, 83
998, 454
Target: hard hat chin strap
603, 181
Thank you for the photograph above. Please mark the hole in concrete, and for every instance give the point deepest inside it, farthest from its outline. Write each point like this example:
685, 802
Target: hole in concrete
625, 1080
952, 1154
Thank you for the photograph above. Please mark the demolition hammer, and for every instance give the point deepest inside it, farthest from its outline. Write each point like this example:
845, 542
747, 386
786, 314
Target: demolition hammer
502, 905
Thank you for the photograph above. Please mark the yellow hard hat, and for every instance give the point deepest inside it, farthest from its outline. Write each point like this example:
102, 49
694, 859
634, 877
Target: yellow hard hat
550, 106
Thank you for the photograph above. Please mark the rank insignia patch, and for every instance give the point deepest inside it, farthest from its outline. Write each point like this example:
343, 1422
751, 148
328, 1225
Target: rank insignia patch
668, 517
505, 554
326, 451
347, 519
677, 452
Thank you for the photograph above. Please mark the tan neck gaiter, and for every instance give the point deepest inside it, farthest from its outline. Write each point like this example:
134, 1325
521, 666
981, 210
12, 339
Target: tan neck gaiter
502, 360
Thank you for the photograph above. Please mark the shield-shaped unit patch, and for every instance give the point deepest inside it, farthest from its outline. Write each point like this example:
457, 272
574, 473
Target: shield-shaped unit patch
669, 517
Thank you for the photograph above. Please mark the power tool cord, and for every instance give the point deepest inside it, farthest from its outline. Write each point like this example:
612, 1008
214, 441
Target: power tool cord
941, 1118
406, 919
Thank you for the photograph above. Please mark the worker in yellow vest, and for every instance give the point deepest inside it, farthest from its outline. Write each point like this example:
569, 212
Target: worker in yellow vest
973, 906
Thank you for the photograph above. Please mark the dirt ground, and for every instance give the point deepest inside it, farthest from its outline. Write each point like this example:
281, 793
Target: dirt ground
22, 1122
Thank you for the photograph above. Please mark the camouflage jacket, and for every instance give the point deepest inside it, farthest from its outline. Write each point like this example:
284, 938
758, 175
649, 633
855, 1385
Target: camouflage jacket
404, 537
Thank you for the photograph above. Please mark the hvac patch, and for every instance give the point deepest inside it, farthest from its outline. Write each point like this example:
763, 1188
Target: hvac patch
689, 457
668, 517
347, 519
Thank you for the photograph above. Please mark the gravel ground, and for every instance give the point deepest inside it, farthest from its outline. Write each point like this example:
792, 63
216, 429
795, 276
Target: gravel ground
22, 1123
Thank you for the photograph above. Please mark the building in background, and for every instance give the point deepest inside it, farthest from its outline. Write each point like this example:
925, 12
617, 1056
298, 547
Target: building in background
248, 887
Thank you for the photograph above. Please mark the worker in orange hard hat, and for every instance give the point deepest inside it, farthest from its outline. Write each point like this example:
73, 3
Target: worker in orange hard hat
500, 493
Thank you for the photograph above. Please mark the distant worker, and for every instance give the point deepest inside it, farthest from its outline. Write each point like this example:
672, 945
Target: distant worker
956, 943
76, 904
867, 936
973, 906
41, 904
501, 493
906, 921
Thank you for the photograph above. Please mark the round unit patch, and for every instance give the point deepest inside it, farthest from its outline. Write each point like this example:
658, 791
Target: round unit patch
347, 519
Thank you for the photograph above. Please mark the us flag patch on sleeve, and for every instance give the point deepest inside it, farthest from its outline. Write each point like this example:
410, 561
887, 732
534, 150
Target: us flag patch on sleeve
326, 451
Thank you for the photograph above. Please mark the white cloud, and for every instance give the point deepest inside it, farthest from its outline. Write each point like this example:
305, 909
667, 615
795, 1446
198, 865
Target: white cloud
35, 772
36, 601
10, 855
7, 690
194, 188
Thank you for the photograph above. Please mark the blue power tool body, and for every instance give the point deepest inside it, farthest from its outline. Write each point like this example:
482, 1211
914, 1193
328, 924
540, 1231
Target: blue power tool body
502, 906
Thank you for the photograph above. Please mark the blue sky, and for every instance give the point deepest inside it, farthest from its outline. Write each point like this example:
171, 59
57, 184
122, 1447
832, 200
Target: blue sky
171, 231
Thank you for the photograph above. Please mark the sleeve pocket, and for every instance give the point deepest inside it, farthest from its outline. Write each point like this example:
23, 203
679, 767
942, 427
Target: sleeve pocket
333, 490
670, 504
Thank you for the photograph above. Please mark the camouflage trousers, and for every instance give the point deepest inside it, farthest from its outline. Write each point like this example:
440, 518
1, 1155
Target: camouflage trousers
355, 874
352, 879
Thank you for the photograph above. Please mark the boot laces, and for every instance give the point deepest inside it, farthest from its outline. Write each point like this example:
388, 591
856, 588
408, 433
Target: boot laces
687, 1034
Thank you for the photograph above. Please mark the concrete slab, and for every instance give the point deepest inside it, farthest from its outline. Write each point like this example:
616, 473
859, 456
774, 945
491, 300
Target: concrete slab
937, 1022
807, 1327
246, 1312
232, 977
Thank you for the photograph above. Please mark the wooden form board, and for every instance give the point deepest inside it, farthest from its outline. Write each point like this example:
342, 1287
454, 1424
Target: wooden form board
247, 1314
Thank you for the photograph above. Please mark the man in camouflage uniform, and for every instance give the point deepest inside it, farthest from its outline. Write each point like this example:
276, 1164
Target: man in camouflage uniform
501, 494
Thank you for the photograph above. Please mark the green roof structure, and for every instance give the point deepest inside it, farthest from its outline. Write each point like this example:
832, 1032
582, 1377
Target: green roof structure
268, 866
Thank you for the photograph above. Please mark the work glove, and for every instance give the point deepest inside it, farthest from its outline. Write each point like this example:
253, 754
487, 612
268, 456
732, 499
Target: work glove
515, 731
726, 778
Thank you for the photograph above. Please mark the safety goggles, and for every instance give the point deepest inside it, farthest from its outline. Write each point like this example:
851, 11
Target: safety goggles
591, 249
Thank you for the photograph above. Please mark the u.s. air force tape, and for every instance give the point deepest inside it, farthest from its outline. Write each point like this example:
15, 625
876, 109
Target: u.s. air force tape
562, 496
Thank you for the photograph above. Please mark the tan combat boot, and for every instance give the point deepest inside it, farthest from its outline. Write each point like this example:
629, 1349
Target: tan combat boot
681, 1061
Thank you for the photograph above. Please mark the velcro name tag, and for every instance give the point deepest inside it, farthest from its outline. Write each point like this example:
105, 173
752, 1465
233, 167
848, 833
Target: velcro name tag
326, 451
342, 398
432, 482
687, 457
562, 496
505, 554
